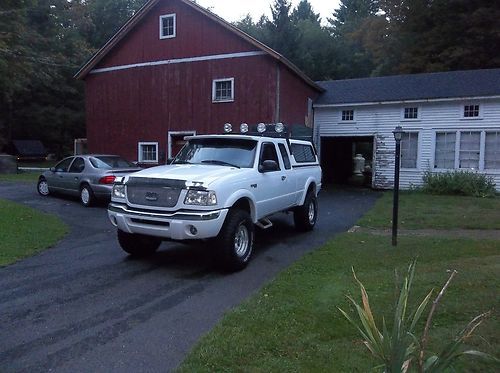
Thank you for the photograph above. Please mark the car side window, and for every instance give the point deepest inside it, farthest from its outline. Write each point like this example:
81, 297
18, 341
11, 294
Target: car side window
63, 165
268, 153
77, 166
284, 155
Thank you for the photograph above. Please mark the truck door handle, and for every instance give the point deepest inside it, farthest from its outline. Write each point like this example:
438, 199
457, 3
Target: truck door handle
283, 178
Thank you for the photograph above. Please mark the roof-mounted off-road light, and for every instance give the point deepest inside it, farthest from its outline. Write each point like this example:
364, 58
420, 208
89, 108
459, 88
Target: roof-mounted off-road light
279, 127
261, 127
228, 128
244, 128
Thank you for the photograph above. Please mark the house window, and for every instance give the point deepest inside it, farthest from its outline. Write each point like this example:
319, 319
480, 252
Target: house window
470, 147
409, 150
445, 150
492, 150
167, 26
410, 113
471, 111
148, 152
347, 115
223, 90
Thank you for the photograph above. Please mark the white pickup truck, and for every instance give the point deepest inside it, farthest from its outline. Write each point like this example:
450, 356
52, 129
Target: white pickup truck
218, 187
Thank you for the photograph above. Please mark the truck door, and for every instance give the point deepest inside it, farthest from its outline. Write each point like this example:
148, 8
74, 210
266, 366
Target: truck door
289, 181
269, 188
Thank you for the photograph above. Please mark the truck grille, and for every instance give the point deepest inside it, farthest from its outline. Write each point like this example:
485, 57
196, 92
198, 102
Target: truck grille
155, 193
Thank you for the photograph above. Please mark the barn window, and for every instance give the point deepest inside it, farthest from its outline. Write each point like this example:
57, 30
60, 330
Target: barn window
409, 150
410, 113
471, 111
167, 26
445, 150
492, 150
347, 115
148, 152
223, 90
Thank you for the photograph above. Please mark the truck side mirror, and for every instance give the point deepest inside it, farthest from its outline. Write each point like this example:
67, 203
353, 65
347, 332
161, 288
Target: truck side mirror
268, 166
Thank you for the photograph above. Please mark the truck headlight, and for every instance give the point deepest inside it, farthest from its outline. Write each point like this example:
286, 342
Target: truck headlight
119, 191
200, 198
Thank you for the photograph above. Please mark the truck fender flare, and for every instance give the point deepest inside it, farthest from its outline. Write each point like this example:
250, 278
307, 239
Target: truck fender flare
239, 195
310, 181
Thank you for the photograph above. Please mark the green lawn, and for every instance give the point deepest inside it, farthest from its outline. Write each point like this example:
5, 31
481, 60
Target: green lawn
420, 211
25, 231
293, 324
21, 176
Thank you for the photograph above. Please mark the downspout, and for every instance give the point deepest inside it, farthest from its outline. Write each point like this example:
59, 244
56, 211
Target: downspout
278, 94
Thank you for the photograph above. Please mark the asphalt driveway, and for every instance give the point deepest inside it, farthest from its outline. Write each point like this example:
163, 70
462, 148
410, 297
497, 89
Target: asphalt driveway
85, 306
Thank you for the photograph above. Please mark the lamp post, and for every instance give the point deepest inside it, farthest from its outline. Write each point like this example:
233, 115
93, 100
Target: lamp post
398, 134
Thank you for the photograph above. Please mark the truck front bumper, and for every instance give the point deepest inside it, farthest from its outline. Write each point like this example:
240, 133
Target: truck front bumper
179, 225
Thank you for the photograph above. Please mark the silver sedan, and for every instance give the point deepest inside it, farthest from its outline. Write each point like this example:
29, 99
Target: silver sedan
89, 176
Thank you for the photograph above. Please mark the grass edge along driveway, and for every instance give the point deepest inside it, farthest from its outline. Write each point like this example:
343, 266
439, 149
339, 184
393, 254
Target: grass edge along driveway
293, 323
26, 231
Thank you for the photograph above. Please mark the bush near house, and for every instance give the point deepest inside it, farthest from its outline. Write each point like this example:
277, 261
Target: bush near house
465, 183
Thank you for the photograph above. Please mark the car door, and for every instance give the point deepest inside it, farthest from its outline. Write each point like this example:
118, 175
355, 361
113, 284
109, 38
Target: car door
289, 181
74, 174
56, 179
269, 192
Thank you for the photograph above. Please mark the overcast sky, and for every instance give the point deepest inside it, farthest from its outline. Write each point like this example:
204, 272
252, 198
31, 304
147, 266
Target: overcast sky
234, 10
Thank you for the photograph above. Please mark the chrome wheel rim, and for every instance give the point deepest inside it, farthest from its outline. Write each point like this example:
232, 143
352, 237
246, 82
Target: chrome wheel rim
312, 212
43, 187
241, 240
85, 195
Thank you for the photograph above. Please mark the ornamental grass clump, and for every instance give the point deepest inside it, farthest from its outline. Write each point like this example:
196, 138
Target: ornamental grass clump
400, 349
464, 183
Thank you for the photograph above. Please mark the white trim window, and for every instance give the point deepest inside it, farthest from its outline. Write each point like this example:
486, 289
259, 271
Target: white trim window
411, 113
445, 150
347, 115
176, 136
470, 149
168, 25
492, 150
223, 90
147, 152
409, 150
471, 111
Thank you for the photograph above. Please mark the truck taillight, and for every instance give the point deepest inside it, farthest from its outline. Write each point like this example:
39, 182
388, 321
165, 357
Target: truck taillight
110, 179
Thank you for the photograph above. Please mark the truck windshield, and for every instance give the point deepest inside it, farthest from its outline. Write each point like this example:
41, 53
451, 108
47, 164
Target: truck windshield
217, 151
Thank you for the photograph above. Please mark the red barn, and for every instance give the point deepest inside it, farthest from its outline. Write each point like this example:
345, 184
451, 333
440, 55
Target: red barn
176, 69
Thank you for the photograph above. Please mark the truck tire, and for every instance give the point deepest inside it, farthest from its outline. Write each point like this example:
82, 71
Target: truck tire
138, 245
235, 241
305, 216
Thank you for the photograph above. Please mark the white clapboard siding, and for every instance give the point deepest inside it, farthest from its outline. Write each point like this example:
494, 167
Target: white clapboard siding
379, 120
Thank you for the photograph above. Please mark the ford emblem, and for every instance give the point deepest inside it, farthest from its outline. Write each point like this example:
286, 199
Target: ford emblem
151, 196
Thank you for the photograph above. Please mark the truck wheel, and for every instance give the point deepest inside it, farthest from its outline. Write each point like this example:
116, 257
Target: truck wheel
138, 245
235, 240
305, 216
43, 187
87, 197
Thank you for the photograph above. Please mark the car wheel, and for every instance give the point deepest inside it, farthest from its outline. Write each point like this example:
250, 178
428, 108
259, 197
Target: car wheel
43, 187
87, 197
305, 216
138, 245
235, 240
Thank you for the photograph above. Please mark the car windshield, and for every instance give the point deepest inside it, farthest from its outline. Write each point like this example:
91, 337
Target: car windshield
109, 162
218, 151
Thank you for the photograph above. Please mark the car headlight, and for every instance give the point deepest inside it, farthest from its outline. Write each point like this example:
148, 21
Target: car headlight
119, 191
200, 198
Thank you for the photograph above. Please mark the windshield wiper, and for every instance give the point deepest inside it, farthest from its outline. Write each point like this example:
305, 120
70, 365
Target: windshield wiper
221, 163
178, 161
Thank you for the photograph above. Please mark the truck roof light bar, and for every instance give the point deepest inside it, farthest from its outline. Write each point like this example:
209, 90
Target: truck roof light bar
260, 129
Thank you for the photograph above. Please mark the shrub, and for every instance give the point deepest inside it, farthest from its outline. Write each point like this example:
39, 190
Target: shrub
465, 183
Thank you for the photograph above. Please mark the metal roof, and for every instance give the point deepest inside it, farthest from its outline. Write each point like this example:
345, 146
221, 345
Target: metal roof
443, 85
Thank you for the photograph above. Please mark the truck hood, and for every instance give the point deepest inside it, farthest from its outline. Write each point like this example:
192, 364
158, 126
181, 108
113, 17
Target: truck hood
199, 174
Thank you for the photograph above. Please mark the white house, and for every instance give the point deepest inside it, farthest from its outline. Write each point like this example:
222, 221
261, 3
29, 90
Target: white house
451, 122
